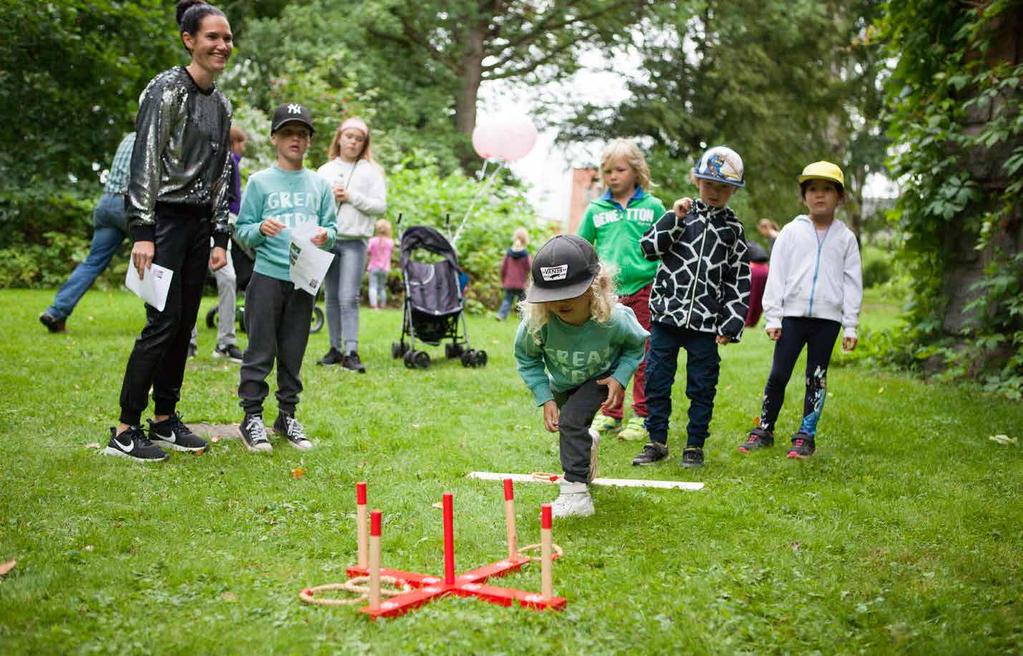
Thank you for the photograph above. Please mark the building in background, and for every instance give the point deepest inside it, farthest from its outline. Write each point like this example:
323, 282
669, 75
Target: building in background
586, 186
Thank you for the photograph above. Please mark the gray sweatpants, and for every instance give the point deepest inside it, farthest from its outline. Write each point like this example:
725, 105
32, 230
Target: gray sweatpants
277, 318
577, 409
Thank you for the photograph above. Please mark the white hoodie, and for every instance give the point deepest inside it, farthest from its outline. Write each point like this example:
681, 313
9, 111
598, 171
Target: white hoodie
814, 276
367, 195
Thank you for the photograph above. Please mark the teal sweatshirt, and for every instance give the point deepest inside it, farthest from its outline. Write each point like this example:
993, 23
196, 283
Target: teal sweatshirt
291, 197
614, 232
568, 356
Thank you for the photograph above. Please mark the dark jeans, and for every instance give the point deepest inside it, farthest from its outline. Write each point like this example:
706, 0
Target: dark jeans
819, 336
109, 230
158, 359
702, 367
511, 297
578, 407
277, 319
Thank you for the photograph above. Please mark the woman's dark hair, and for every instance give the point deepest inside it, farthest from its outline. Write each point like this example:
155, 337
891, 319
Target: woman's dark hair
191, 12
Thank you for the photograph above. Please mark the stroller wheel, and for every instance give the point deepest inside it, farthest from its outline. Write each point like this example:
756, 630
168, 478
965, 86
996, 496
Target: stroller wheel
317, 321
407, 359
421, 359
398, 349
211, 318
453, 350
481, 358
469, 358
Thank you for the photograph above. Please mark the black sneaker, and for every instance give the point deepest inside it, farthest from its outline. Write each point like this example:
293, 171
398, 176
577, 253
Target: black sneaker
802, 447
229, 351
289, 427
351, 362
758, 439
692, 456
333, 356
52, 323
133, 444
652, 452
254, 434
172, 433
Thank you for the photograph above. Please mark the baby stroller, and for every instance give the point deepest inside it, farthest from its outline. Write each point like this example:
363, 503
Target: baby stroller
433, 308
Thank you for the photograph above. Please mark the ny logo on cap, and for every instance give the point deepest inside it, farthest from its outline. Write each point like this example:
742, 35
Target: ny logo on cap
559, 272
294, 109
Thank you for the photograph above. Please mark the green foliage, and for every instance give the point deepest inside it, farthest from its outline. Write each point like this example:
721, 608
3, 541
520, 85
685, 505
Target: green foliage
877, 266
954, 105
788, 88
420, 195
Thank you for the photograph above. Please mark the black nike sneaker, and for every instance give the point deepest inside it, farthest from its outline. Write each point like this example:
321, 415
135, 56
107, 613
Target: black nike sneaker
133, 444
171, 433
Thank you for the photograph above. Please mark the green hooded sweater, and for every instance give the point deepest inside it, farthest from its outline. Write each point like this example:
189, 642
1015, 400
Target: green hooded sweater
614, 232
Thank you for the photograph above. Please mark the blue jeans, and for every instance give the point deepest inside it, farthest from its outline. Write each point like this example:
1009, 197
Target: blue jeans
341, 288
109, 231
377, 287
703, 365
510, 297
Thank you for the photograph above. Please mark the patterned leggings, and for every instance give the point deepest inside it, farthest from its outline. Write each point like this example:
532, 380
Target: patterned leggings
819, 336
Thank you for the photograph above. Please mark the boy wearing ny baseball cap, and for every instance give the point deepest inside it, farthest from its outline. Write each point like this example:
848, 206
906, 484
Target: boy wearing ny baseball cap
698, 301
277, 200
576, 349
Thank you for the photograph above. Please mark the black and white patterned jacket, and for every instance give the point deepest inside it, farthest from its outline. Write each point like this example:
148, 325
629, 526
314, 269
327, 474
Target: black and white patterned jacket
703, 280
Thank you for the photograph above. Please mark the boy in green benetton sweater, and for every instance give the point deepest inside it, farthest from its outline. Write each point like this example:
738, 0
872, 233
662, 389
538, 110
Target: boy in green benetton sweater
614, 223
277, 313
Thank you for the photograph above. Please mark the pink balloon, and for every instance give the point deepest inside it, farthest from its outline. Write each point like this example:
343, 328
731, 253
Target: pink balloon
508, 138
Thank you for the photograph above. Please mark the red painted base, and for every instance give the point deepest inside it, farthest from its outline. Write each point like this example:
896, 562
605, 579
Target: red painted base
426, 588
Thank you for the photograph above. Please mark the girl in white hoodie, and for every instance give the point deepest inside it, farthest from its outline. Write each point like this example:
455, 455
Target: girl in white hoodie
814, 289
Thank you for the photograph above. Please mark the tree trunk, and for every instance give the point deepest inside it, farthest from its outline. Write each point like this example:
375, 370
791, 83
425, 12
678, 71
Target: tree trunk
468, 92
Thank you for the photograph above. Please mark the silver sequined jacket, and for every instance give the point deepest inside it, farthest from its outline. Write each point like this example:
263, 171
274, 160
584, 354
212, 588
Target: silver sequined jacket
180, 154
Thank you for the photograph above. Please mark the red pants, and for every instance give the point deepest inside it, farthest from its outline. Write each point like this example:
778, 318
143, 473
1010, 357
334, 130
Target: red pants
640, 304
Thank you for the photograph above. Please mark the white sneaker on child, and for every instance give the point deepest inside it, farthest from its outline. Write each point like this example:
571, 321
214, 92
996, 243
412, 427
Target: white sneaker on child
574, 501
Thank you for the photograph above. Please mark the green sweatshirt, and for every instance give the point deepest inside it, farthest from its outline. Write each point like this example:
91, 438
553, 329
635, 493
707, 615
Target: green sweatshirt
614, 232
571, 355
291, 197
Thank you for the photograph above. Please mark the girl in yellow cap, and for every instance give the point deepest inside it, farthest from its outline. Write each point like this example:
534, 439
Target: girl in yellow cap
814, 289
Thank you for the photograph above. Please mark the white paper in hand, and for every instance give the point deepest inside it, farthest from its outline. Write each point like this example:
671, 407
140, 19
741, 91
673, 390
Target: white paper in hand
309, 264
153, 288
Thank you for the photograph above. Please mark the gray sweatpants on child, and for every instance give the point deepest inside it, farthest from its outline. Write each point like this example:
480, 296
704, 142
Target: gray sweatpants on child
277, 318
577, 408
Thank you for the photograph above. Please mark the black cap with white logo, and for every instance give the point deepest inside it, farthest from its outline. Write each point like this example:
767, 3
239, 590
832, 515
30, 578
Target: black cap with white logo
291, 113
563, 268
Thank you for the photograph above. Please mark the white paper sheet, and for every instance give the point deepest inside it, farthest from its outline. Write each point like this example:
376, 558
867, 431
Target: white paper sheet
309, 263
153, 288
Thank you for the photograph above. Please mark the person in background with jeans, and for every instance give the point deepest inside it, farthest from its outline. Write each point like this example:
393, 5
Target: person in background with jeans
110, 227
361, 195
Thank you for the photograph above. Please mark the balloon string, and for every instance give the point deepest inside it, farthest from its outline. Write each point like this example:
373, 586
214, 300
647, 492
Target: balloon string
472, 204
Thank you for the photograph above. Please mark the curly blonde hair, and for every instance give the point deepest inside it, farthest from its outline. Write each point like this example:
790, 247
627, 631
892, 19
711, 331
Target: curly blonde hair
602, 302
633, 156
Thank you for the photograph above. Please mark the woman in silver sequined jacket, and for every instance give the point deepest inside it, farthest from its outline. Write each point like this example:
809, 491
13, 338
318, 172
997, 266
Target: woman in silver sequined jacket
176, 201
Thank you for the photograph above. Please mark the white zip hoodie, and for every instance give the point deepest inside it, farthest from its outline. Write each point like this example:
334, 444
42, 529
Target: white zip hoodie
814, 277
367, 195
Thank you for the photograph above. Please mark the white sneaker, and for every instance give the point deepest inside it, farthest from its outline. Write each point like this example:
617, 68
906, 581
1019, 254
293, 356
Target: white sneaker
594, 452
574, 501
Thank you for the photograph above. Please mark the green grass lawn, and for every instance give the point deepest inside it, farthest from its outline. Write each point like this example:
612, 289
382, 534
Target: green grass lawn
902, 535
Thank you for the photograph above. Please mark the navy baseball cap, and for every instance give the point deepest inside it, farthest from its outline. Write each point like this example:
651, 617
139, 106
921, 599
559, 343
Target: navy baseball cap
291, 113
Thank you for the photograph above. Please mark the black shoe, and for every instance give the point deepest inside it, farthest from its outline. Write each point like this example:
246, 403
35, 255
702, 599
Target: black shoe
254, 434
351, 362
52, 323
652, 452
802, 446
229, 351
758, 439
289, 427
133, 444
333, 357
172, 433
692, 456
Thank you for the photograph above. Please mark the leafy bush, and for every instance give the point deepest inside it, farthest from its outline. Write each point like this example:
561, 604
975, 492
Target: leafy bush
877, 266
